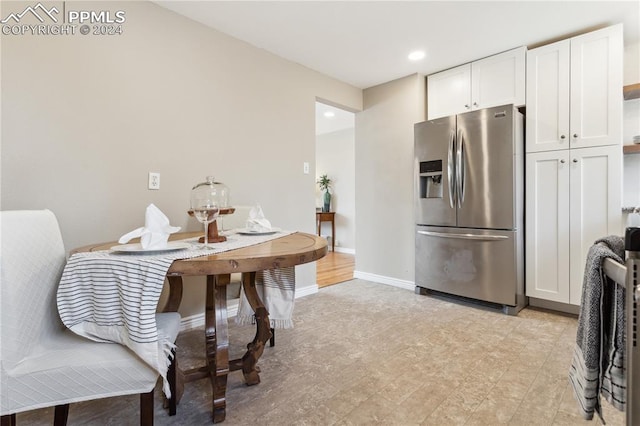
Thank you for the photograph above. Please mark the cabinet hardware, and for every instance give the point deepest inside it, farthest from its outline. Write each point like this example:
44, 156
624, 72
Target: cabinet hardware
562, 161
575, 135
575, 160
464, 236
562, 136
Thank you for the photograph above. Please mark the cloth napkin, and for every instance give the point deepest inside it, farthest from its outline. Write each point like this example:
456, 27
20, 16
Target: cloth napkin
155, 232
256, 221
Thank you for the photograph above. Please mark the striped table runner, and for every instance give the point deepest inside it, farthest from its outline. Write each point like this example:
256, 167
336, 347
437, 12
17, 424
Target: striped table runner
112, 297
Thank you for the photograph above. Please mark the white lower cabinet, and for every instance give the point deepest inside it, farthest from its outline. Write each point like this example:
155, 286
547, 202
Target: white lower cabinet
573, 197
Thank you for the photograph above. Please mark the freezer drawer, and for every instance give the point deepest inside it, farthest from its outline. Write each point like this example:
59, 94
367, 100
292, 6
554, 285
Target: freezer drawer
480, 264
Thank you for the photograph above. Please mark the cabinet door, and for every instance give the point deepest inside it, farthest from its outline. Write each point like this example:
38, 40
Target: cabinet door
499, 80
547, 225
596, 79
596, 205
548, 97
449, 92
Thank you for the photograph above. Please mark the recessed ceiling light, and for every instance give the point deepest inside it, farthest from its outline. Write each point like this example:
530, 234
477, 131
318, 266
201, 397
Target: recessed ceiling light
416, 55
329, 114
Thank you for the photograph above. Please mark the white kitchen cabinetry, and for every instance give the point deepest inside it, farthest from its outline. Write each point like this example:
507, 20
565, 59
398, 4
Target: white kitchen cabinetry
573, 198
496, 80
547, 226
449, 92
573, 92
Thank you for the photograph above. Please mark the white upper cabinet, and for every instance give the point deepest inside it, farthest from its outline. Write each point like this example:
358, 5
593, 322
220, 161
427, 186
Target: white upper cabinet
496, 80
548, 98
499, 80
574, 92
449, 92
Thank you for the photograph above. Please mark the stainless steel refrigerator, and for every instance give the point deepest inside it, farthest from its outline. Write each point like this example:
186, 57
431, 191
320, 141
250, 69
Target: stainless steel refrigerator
469, 195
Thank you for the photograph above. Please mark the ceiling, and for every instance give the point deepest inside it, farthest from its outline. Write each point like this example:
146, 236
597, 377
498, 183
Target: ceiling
331, 119
366, 43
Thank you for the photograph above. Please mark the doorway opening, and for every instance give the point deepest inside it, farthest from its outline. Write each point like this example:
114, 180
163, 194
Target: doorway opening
335, 157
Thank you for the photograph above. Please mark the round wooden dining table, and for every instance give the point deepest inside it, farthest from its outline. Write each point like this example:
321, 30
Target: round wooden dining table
290, 250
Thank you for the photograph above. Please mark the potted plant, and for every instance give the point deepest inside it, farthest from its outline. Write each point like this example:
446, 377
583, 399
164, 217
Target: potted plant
324, 182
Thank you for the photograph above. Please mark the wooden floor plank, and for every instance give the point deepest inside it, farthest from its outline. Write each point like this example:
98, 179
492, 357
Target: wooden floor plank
335, 268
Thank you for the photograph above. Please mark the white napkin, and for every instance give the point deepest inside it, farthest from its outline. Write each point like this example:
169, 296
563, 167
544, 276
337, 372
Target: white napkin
155, 232
256, 221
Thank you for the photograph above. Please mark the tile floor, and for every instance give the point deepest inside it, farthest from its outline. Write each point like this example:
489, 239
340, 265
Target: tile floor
365, 353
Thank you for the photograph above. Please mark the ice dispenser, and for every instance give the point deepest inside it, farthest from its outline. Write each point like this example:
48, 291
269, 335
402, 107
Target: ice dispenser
431, 179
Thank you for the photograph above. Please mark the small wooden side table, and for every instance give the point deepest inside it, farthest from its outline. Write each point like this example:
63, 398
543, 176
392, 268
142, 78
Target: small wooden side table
328, 217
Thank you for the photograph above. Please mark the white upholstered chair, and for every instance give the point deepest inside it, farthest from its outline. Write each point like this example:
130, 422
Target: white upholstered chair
43, 364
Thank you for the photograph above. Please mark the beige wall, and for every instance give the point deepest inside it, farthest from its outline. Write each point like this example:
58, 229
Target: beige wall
335, 156
85, 118
384, 179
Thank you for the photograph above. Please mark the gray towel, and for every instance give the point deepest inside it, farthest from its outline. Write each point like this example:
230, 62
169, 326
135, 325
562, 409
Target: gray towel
598, 360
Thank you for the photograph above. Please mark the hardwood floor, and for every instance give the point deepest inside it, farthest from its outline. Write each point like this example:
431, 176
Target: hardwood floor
335, 268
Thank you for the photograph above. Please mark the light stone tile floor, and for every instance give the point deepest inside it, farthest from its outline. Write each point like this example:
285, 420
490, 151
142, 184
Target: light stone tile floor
363, 353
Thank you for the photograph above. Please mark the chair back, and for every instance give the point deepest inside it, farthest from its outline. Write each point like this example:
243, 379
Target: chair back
32, 258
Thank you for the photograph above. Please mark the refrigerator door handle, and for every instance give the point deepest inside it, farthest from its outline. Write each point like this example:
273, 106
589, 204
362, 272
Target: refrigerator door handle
451, 167
460, 175
464, 236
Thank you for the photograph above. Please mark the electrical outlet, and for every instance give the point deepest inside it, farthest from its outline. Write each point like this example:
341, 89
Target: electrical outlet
305, 168
154, 180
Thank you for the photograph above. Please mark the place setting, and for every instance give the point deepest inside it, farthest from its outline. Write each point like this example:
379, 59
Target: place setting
209, 202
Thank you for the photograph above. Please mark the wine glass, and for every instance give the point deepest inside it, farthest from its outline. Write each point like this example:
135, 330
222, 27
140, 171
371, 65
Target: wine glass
205, 205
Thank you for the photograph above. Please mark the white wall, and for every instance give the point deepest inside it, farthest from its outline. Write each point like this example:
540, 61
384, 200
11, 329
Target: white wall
631, 73
384, 180
85, 118
335, 156
631, 128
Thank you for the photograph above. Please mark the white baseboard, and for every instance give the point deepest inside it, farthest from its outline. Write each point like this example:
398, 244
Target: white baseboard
197, 320
407, 285
306, 290
345, 250
193, 321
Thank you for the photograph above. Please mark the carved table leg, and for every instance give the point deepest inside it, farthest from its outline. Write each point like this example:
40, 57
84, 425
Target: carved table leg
263, 330
217, 341
175, 294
